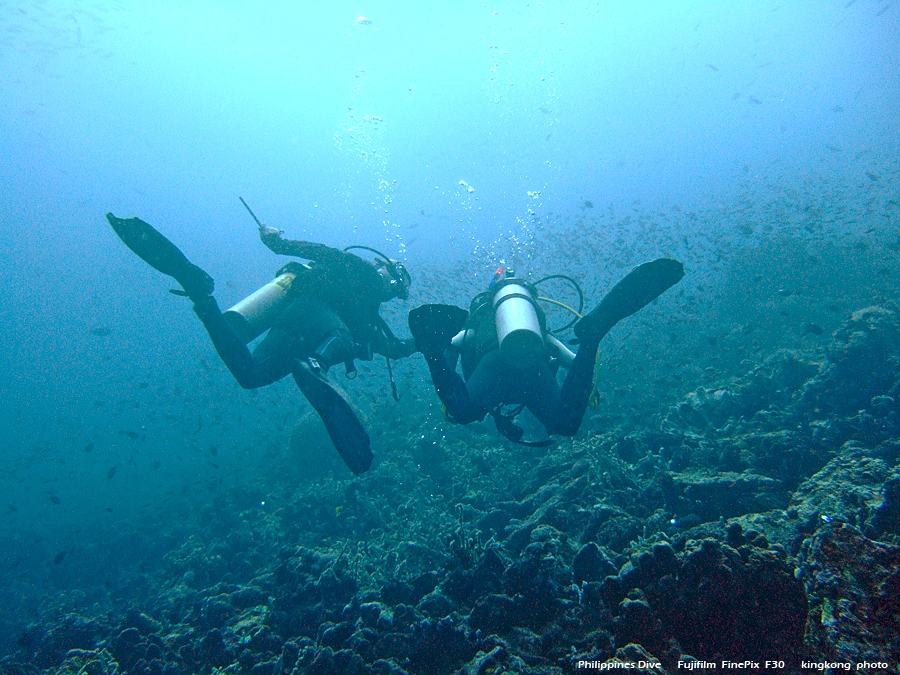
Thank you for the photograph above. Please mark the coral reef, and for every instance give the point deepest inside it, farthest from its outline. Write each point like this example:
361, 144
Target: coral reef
760, 520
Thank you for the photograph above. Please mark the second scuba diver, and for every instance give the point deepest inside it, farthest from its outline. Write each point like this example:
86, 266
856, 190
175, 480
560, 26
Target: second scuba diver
317, 315
510, 358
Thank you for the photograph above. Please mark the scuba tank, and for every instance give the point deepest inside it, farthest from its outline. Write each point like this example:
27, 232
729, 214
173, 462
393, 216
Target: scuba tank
519, 330
254, 315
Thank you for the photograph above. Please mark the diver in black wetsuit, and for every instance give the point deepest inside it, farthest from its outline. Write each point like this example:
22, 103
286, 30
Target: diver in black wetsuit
317, 315
508, 357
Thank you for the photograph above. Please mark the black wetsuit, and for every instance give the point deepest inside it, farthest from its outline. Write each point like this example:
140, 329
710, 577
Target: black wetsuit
490, 381
335, 299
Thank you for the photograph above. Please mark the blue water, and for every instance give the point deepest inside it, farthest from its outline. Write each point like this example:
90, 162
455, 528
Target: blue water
455, 138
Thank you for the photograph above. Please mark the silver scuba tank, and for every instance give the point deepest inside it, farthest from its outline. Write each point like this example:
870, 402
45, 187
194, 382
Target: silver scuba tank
254, 315
518, 327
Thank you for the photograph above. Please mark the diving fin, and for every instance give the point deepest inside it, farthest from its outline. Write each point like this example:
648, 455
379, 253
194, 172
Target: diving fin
433, 326
161, 254
343, 426
640, 286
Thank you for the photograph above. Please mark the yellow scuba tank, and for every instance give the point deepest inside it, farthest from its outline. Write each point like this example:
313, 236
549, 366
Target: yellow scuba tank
254, 315
519, 330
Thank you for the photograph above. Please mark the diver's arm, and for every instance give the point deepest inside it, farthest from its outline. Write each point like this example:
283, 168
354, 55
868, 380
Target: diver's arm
297, 247
387, 344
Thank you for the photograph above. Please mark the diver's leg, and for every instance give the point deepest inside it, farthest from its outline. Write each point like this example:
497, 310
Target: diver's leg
562, 412
161, 254
452, 391
432, 327
492, 383
267, 364
639, 287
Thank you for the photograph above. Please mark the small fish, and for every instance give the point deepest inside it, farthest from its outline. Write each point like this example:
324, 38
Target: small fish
735, 96
55, 499
712, 67
89, 447
872, 175
362, 21
112, 472
838, 109
100, 331
59, 557
754, 100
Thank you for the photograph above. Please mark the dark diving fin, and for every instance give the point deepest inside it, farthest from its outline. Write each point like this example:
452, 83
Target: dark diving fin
161, 254
343, 426
433, 326
639, 287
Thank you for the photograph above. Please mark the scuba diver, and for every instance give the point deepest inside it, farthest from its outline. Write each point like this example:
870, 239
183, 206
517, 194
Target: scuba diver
317, 314
510, 358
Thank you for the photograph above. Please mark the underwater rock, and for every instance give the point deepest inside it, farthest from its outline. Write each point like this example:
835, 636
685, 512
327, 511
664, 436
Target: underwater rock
712, 599
72, 632
331, 635
703, 410
772, 385
862, 364
447, 637
435, 605
847, 490
409, 592
217, 611
96, 662
128, 648
140, 621
536, 582
590, 564
290, 653
853, 585
611, 527
887, 515
487, 662
213, 651
637, 622
709, 496
493, 614
466, 586
543, 514
372, 613
247, 596
637, 660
